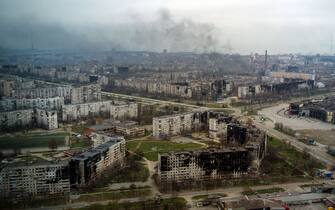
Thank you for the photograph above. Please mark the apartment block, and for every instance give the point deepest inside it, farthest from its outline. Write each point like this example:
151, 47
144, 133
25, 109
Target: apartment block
88, 166
46, 92
86, 93
172, 124
207, 164
28, 118
16, 119
54, 103
46, 119
217, 127
241, 155
247, 91
124, 110
6, 87
29, 180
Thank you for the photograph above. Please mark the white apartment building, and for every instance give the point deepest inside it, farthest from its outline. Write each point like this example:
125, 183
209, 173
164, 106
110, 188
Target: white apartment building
124, 110
217, 128
74, 112
244, 91
172, 124
28, 118
32, 180
107, 109
14, 119
54, 103
47, 92
46, 119
86, 93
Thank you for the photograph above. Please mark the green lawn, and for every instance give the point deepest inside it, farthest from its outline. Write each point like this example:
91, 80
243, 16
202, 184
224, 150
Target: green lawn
150, 149
31, 140
79, 143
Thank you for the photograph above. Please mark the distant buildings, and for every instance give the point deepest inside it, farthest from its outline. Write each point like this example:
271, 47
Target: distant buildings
6, 87
31, 180
75, 95
193, 89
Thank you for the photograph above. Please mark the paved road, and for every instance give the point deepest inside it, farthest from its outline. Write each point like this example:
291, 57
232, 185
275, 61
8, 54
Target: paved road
144, 99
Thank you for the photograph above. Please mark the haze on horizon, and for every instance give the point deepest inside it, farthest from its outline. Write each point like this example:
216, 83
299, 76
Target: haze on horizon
235, 26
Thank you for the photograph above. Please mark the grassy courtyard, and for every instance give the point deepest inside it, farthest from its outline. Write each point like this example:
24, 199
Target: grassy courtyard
151, 149
31, 140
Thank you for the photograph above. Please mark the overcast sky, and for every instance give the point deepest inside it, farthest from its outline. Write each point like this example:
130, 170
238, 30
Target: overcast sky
242, 26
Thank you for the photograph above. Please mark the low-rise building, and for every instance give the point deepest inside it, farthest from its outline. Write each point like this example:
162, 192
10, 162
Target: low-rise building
125, 128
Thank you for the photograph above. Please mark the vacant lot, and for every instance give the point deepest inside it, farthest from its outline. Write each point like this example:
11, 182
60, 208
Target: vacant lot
31, 140
150, 149
277, 115
326, 137
292, 161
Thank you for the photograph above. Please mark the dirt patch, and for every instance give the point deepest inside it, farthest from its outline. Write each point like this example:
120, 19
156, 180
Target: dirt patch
326, 137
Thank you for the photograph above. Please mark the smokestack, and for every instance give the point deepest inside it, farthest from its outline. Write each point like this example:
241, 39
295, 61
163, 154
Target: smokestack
266, 60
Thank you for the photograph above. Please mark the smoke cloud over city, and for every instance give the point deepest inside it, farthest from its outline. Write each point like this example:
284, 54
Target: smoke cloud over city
242, 27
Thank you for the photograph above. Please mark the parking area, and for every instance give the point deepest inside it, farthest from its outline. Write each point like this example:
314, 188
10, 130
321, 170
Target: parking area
278, 114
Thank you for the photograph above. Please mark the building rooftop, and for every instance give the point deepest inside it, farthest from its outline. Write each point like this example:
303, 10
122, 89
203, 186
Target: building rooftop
99, 149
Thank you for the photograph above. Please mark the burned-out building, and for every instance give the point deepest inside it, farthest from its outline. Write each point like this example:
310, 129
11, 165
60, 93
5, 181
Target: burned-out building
323, 110
88, 166
203, 164
241, 156
236, 134
30, 179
